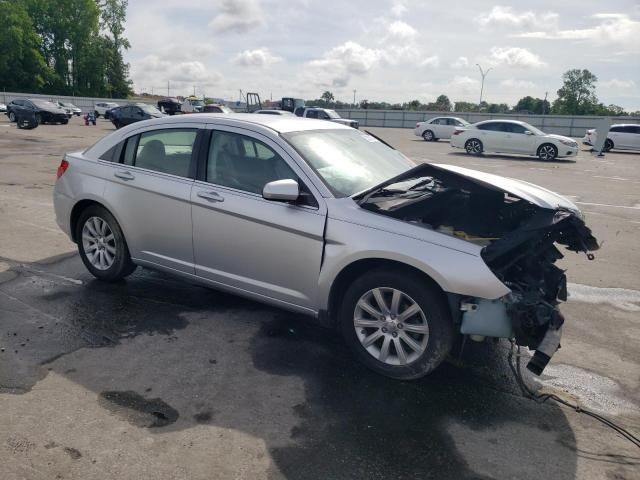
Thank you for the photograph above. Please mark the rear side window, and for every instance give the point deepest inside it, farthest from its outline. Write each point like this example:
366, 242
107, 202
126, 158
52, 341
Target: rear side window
493, 126
312, 114
167, 151
110, 155
615, 129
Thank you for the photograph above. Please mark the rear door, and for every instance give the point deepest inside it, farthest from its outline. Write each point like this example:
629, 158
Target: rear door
271, 249
491, 136
634, 140
627, 137
149, 187
616, 136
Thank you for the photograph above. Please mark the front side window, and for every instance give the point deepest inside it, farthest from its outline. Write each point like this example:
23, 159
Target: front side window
312, 114
244, 163
348, 161
492, 126
166, 151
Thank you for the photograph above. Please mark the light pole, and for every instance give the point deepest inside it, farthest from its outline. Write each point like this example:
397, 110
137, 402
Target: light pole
483, 74
354, 98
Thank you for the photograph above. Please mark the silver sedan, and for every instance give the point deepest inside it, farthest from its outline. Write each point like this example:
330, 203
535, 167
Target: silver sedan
332, 222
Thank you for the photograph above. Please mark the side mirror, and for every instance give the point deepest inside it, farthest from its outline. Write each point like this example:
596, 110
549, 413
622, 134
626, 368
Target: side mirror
286, 190
528, 132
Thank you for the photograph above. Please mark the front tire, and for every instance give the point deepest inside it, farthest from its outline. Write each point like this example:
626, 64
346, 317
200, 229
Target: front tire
428, 136
473, 146
39, 119
12, 117
396, 323
547, 152
102, 246
96, 114
608, 145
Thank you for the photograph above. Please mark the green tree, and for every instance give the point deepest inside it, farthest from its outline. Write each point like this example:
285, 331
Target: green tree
465, 107
22, 66
327, 97
529, 104
112, 17
577, 94
443, 104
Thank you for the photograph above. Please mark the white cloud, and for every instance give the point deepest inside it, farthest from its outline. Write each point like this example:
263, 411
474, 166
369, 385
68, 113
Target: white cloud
465, 84
338, 64
460, 62
260, 57
399, 9
515, 57
431, 62
614, 29
399, 30
237, 16
501, 16
155, 71
615, 84
518, 84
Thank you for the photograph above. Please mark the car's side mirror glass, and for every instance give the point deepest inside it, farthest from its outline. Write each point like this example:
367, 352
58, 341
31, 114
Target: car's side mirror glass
286, 190
528, 132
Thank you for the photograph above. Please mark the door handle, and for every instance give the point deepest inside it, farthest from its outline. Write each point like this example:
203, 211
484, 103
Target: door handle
124, 175
211, 196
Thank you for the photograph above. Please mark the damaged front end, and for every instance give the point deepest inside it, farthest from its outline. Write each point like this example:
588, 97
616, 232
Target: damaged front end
518, 225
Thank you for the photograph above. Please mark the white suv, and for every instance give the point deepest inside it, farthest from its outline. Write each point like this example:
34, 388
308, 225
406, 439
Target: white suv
102, 108
621, 136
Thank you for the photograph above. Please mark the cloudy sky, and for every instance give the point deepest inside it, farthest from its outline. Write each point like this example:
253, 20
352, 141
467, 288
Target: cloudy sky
393, 50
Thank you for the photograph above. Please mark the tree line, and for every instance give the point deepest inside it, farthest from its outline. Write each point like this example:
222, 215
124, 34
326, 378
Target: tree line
64, 47
577, 96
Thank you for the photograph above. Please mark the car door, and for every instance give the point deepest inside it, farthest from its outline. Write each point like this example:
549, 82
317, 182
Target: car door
491, 136
616, 136
271, 249
626, 136
515, 140
148, 188
634, 137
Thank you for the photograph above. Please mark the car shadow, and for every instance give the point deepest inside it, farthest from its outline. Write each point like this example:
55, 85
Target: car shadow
516, 158
164, 355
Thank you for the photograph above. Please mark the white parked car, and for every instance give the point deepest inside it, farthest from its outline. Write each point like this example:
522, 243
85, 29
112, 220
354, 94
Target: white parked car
70, 108
3, 107
275, 112
511, 136
101, 108
439, 127
624, 136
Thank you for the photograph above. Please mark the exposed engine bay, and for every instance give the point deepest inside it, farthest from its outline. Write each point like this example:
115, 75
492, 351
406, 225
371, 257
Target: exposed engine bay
518, 237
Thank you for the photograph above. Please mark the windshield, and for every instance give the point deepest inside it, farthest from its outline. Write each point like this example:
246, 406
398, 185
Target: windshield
45, 104
533, 129
348, 161
332, 114
150, 110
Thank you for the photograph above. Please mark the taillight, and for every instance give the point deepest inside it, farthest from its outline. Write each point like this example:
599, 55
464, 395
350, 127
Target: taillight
457, 132
62, 168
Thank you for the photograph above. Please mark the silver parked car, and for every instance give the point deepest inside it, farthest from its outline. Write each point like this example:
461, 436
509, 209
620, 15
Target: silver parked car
329, 221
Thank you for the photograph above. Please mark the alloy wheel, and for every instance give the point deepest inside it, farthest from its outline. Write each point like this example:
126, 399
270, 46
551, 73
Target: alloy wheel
428, 135
391, 326
474, 147
547, 152
99, 243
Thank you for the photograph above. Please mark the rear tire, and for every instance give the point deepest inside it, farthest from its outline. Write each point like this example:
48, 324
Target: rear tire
39, 119
608, 145
473, 146
64, 122
404, 347
547, 152
428, 136
102, 246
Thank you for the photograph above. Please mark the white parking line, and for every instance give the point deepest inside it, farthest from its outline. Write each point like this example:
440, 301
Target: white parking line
622, 298
607, 205
610, 178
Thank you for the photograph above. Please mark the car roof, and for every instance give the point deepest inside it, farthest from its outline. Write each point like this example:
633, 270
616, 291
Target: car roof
277, 123
518, 122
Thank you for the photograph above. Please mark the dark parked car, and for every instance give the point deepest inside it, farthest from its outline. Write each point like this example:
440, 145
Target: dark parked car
170, 106
44, 111
127, 114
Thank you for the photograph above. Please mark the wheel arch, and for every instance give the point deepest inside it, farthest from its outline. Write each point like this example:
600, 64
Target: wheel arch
81, 206
358, 267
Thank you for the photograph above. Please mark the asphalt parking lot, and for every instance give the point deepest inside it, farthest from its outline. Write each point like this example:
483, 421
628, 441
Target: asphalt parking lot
155, 378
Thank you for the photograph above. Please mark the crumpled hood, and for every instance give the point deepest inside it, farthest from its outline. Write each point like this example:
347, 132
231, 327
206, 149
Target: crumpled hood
527, 191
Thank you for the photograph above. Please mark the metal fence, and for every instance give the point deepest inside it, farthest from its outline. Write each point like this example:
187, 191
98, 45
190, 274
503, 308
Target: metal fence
86, 104
568, 125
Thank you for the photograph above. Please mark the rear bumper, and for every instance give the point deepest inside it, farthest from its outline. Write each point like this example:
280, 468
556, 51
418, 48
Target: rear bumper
62, 205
